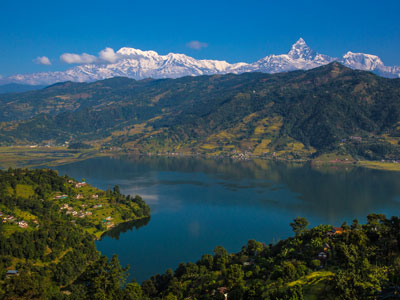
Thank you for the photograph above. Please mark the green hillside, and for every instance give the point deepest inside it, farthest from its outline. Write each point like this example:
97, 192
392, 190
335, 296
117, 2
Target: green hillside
300, 114
48, 225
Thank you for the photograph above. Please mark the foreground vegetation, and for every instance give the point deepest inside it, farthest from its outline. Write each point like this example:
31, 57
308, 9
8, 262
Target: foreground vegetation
48, 228
349, 262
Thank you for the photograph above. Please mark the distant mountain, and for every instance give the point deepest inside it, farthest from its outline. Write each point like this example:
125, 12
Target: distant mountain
138, 64
297, 114
17, 88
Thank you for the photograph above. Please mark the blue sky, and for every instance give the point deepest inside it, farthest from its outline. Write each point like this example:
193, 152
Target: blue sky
233, 30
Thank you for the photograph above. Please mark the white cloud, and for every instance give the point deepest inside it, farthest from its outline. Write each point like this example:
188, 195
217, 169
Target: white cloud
196, 45
42, 60
72, 58
108, 55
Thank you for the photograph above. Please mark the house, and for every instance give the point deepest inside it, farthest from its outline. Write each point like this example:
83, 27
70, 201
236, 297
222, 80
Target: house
336, 230
95, 196
109, 225
356, 138
223, 290
12, 273
80, 184
22, 224
65, 206
79, 196
109, 218
61, 197
322, 256
326, 247
10, 218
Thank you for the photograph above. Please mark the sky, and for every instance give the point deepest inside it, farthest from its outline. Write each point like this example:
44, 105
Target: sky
35, 34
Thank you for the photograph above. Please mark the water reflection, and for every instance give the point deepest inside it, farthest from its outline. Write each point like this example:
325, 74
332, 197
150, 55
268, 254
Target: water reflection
197, 204
327, 193
115, 232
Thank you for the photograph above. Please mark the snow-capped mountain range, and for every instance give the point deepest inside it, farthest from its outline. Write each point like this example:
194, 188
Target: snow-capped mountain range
138, 64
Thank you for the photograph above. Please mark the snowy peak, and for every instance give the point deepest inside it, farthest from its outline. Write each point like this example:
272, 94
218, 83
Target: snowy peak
139, 64
125, 51
300, 50
362, 61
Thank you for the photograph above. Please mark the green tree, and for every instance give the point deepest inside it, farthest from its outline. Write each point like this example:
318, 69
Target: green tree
299, 225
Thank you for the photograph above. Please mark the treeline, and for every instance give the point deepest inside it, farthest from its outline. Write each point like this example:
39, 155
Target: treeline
351, 262
355, 262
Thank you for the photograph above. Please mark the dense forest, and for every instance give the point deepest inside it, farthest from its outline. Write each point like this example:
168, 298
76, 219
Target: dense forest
300, 114
47, 234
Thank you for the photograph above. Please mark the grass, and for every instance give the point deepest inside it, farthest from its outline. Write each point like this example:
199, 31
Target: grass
9, 229
314, 285
388, 166
24, 190
333, 158
23, 156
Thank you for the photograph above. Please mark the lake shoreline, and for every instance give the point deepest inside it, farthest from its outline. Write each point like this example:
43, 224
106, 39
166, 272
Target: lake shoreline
22, 156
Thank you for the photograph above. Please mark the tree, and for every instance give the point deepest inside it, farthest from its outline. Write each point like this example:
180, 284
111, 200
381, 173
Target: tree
220, 258
234, 275
299, 225
117, 190
132, 291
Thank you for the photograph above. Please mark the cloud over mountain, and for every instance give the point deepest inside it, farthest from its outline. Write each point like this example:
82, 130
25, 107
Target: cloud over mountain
72, 58
196, 45
42, 60
139, 64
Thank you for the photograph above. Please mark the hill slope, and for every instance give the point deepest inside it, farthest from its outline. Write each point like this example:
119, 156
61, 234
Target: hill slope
295, 114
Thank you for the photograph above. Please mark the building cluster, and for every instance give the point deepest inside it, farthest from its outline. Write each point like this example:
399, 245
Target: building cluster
10, 219
70, 211
242, 156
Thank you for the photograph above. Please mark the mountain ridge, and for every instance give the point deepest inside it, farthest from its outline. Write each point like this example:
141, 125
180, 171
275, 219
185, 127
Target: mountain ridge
299, 114
139, 64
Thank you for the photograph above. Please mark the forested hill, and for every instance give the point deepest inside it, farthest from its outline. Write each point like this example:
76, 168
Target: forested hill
296, 114
48, 224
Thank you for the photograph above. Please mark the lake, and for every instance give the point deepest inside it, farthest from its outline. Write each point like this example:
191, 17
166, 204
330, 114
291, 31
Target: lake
198, 204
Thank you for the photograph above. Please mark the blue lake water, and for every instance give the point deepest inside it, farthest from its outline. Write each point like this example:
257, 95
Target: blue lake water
198, 204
